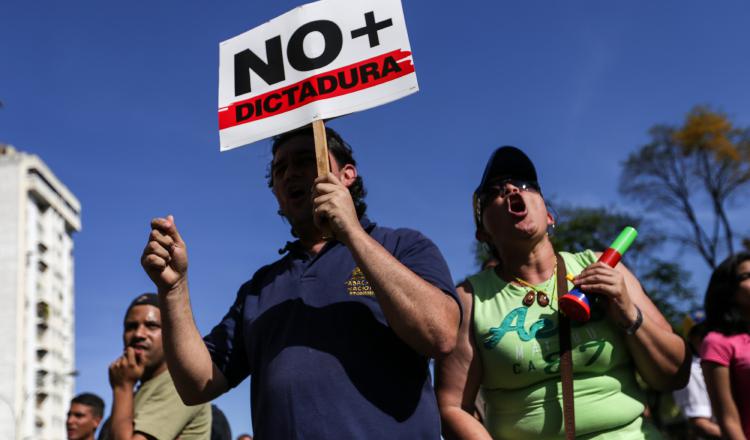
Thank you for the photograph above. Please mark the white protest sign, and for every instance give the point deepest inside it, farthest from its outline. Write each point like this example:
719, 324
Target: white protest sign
320, 60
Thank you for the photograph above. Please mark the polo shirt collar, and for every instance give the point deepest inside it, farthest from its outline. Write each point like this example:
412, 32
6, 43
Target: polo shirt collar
295, 249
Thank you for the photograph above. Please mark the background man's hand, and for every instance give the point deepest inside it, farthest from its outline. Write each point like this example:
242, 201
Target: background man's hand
333, 207
165, 256
126, 370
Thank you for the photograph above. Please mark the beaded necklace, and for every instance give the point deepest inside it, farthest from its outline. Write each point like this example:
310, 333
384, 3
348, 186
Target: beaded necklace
542, 297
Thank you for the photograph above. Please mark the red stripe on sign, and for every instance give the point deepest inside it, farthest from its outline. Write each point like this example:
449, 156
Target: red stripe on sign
349, 79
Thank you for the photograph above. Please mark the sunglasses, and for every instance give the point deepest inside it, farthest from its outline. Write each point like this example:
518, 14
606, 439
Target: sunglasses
743, 276
500, 188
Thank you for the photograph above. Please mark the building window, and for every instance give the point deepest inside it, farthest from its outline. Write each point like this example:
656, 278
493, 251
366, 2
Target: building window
42, 310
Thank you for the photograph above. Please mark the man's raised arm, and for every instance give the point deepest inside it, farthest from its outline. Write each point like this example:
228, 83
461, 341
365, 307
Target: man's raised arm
165, 260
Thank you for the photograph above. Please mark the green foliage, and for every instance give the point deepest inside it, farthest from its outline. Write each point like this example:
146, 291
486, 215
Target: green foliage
578, 229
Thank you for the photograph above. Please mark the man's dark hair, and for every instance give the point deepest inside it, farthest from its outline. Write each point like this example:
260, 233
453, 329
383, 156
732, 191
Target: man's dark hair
91, 400
722, 313
697, 331
340, 150
220, 429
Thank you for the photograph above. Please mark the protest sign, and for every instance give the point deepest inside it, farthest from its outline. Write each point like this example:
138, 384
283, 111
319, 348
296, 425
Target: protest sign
318, 61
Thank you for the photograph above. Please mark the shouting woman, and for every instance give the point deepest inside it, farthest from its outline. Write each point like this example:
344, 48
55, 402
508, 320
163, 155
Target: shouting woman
509, 341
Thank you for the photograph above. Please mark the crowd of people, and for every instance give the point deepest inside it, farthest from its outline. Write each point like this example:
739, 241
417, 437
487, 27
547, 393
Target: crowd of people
337, 334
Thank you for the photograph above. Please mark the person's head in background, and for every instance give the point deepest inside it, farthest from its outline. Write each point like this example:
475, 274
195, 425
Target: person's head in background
220, 429
727, 301
142, 333
84, 416
695, 337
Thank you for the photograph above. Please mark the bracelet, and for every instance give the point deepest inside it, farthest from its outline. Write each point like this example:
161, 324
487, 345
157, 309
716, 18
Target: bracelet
636, 324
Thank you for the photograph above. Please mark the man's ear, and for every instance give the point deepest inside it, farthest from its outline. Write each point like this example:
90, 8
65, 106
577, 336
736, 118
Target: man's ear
97, 421
550, 219
348, 174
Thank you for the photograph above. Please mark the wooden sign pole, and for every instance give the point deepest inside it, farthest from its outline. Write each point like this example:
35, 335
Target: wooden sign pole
321, 147
321, 158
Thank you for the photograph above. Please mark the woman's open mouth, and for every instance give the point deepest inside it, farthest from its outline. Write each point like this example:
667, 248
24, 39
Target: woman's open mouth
516, 205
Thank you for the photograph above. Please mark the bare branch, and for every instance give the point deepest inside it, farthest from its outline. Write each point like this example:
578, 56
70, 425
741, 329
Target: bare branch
706, 155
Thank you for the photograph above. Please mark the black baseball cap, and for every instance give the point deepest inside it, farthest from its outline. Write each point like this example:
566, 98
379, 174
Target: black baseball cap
145, 299
506, 162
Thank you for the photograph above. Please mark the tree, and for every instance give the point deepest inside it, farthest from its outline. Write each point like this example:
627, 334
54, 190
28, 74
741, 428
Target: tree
687, 170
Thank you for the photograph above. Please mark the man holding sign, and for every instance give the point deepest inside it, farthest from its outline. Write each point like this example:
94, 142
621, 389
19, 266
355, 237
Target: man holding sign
336, 334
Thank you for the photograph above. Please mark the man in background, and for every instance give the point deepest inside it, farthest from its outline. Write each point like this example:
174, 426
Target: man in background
84, 416
155, 411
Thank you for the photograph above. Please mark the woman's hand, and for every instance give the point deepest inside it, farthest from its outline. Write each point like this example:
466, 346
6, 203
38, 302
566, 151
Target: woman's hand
601, 279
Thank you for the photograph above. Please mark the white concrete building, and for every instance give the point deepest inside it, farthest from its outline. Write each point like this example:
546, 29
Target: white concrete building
38, 216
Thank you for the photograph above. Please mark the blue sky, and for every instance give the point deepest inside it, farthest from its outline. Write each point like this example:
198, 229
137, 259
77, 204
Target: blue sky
120, 100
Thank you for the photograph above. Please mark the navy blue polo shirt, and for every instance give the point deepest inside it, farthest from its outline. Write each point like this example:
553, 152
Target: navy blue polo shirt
323, 361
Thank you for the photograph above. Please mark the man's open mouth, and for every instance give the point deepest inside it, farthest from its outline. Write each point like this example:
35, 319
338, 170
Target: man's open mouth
296, 193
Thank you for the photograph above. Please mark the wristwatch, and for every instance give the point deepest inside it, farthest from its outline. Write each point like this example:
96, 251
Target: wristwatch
636, 324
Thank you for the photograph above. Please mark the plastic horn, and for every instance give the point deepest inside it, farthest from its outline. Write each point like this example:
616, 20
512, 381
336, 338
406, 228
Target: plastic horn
575, 304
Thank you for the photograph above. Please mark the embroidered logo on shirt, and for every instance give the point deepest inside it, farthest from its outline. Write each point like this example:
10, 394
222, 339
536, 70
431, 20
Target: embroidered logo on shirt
357, 284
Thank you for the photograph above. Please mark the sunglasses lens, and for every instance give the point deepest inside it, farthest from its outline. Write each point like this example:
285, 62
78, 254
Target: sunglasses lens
500, 188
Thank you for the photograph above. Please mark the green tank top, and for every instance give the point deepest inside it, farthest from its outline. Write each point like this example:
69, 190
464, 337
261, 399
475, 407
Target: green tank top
519, 348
